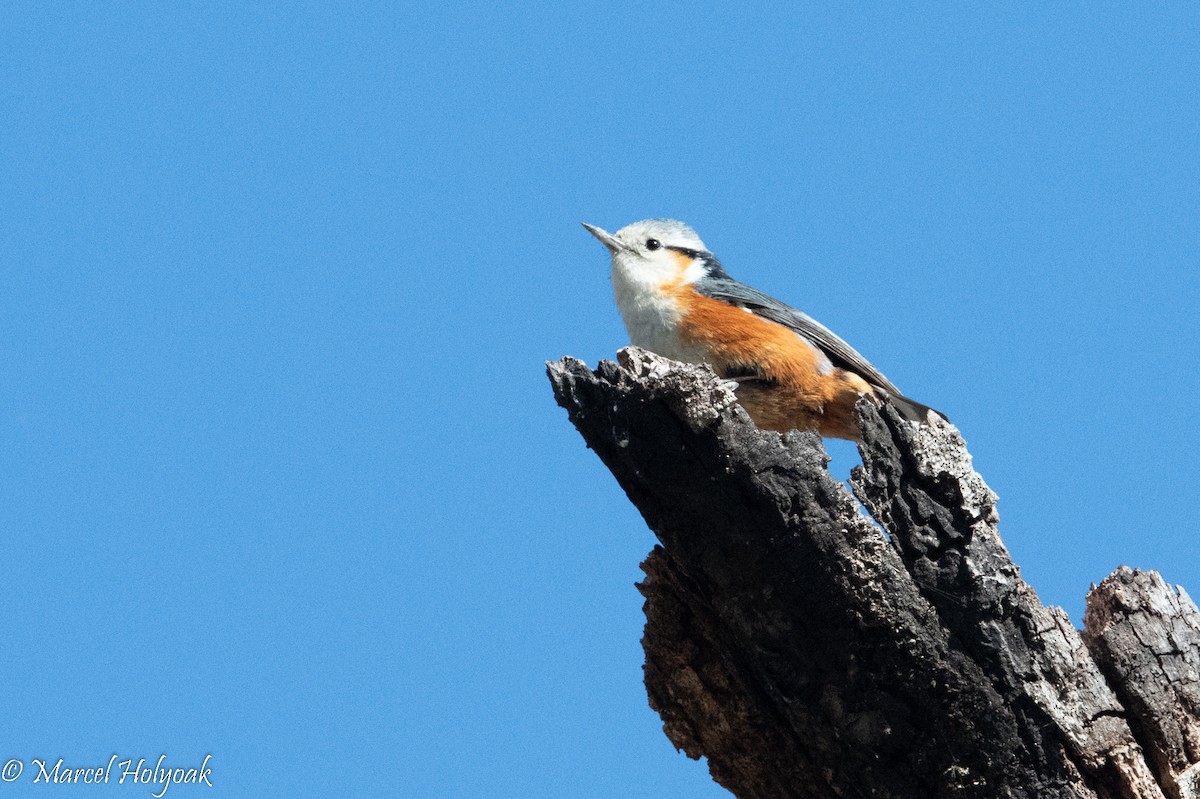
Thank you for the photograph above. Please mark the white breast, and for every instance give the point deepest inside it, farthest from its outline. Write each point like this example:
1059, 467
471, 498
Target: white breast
651, 315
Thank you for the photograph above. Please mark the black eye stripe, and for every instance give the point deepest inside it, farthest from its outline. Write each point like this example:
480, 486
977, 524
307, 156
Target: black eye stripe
685, 251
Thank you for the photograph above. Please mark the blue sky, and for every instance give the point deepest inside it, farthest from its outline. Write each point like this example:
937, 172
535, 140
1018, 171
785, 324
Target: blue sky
284, 481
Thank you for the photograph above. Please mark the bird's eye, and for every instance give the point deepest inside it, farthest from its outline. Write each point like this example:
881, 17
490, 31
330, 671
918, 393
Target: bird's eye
653, 244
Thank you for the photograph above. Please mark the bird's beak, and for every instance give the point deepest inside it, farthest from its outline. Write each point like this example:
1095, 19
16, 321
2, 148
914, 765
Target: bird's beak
606, 238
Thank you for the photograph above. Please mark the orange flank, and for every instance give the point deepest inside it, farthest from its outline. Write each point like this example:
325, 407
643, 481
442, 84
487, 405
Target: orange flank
781, 382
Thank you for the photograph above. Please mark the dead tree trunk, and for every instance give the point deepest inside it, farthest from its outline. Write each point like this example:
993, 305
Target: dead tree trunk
806, 654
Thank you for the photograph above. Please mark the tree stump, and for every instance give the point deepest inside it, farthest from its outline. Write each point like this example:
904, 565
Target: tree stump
808, 650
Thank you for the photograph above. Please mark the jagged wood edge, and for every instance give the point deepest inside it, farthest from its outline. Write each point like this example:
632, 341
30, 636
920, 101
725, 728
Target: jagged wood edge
919, 483
1145, 636
785, 639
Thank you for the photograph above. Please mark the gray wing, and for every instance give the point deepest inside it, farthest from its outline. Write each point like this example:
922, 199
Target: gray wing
840, 353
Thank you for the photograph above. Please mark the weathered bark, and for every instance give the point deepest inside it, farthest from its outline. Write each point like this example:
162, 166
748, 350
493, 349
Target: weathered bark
1146, 639
806, 654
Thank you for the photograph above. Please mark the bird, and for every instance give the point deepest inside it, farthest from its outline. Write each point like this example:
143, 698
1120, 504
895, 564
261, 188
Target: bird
791, 371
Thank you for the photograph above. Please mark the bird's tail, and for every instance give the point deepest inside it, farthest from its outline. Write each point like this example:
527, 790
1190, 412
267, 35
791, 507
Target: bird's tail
913, 410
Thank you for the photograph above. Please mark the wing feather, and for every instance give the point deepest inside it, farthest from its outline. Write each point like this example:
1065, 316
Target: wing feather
840, 353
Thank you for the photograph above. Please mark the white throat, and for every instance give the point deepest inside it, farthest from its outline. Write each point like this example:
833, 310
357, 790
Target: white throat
651, 314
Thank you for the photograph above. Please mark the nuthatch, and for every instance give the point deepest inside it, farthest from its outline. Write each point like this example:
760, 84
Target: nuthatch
792, 372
